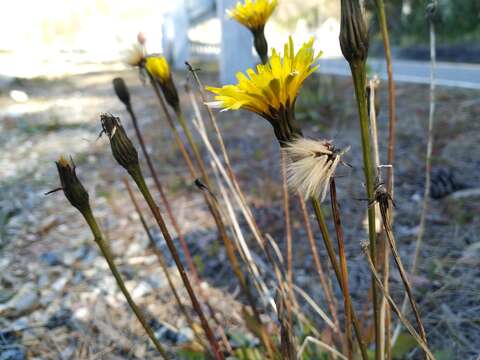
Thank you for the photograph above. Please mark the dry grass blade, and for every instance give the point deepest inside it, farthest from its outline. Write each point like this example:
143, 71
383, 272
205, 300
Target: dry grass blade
395, 308
317, 308
310, 339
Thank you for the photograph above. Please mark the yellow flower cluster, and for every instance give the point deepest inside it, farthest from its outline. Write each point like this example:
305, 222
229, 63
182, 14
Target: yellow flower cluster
274, 86
254, 13
158, 67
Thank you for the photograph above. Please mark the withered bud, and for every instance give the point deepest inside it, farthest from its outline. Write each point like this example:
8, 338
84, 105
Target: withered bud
122, 147
353, 31
71, 185
170, 92
260, 43
121, 90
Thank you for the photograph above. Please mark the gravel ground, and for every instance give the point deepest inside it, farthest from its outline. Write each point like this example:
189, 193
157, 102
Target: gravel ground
57, 298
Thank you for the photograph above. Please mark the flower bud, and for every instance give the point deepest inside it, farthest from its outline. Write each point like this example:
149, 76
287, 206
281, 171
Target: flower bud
71, 185
121, 90
158, 68
122, 147
353, 31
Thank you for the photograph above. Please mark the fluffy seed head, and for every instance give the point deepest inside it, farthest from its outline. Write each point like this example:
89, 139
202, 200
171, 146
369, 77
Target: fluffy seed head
311, 164
135, 56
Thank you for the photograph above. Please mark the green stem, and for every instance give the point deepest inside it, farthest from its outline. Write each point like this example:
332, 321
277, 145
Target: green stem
104, 248
336, 268
137, 176
359, 78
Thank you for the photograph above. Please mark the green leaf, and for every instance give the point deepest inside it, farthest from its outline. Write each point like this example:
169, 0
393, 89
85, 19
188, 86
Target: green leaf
405, 343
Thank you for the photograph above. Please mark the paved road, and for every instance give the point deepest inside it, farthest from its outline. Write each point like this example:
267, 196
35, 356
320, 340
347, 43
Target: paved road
447, 74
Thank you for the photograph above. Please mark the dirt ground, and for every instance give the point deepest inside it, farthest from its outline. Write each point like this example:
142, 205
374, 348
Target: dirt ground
57, 298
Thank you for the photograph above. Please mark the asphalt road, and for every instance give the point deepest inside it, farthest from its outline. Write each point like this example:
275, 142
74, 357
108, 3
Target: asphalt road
447, 74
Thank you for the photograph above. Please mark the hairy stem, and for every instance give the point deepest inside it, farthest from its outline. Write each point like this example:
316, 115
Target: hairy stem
359, 78
343, 268
161, 261
104, 248
137, 176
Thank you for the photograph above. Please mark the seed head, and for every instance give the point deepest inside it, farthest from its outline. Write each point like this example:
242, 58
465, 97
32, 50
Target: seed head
71, 185
122, 147
311, 164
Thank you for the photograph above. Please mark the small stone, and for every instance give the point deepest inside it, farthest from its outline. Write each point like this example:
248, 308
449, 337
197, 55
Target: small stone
25, 301
51, 258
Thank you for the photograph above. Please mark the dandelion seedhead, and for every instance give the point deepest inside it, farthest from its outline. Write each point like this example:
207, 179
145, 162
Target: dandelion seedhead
272, 90
122, 147
71, 185
311, 164
135, 56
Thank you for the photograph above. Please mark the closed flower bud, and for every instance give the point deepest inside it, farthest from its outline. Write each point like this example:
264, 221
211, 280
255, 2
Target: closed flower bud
122, 147
158, 68
121, 90
353, 31
71, 185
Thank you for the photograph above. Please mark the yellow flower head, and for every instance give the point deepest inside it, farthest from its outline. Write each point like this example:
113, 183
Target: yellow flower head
158, 67
254, 13
271, 91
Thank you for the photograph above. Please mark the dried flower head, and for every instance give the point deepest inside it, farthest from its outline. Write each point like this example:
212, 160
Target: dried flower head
135, 56
271, 91
158, 68
122, 147
71, 185
311, 164
253, 13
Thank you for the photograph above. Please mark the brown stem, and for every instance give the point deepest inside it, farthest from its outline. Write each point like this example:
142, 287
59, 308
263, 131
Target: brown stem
158, 185
333, 260
178, 139
137, 176
230, 249
161, 261
382, 19
104, 248
394, 307
343, 268
248, 214
401, 269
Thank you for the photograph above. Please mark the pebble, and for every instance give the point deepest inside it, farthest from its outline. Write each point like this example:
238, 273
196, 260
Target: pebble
26, 300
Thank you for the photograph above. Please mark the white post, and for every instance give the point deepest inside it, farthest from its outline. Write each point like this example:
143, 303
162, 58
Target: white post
175, 35
236, 45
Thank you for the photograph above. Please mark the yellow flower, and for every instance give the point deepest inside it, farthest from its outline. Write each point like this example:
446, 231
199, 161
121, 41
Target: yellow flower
158, 67
271, 91
254, 13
